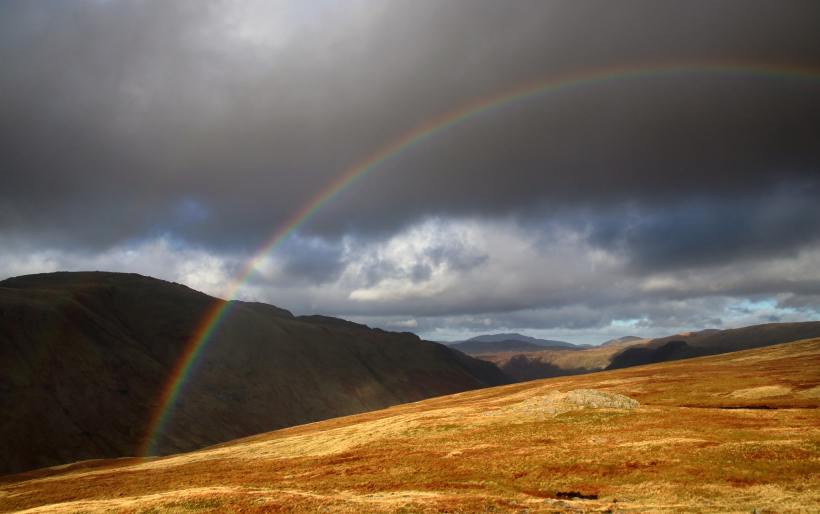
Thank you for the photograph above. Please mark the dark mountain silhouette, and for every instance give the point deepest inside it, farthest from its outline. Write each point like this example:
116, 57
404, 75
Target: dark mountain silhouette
494, 338
84, 357
472, 347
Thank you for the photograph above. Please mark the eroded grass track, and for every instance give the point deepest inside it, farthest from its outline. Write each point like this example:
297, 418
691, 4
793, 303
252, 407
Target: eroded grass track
729, 433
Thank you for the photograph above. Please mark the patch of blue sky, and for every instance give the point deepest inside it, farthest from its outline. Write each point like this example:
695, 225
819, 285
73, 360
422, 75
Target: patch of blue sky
757, 306
628, 323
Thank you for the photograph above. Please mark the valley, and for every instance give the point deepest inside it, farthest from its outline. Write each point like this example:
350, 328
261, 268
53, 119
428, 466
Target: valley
723, 434
532, 362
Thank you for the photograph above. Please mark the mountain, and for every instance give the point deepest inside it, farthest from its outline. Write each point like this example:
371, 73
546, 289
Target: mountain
84, 358
729, 433
532, 365
495, 338
621, 341
471, 347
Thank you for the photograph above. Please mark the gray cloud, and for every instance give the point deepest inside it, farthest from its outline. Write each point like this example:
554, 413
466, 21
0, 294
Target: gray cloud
174, 137
311, 262
703, 231
116, 111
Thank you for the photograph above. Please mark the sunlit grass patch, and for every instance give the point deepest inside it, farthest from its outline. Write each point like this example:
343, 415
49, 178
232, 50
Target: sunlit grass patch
194, 504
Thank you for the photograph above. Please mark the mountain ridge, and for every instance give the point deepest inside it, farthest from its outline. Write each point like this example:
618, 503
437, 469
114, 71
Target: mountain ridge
621, 341
85, 355
496, 338
472, 347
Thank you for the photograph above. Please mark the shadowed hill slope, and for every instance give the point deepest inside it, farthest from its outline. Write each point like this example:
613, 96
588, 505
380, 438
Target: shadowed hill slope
734, 433
85, 356
671, 351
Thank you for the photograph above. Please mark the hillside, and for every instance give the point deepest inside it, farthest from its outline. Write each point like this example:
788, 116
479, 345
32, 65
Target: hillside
723, 434
84, 358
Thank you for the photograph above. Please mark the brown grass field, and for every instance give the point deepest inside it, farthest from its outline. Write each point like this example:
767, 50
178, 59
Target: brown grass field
730, 433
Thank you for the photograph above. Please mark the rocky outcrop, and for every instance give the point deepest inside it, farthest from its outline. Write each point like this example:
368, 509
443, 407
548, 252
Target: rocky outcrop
557, 402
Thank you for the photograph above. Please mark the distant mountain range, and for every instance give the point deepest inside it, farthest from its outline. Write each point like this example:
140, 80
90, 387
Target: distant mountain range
631, 351
85, 358
497, 338
621, 341
474, 347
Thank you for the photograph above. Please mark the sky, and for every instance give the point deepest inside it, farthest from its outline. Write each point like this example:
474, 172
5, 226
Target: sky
176, 138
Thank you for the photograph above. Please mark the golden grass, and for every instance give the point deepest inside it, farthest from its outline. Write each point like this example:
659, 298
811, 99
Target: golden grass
693, 445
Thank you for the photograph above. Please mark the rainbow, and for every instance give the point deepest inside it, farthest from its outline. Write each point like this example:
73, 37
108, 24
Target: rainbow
434, 127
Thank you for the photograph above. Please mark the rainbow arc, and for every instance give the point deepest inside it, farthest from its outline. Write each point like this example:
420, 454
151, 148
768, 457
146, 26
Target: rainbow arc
432, 128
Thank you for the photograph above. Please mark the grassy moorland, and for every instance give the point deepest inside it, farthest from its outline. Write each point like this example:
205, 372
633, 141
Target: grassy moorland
728, 433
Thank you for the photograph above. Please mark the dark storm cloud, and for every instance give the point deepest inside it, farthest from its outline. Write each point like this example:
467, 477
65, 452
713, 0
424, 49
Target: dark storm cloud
112, 114
703, 232
649, 315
